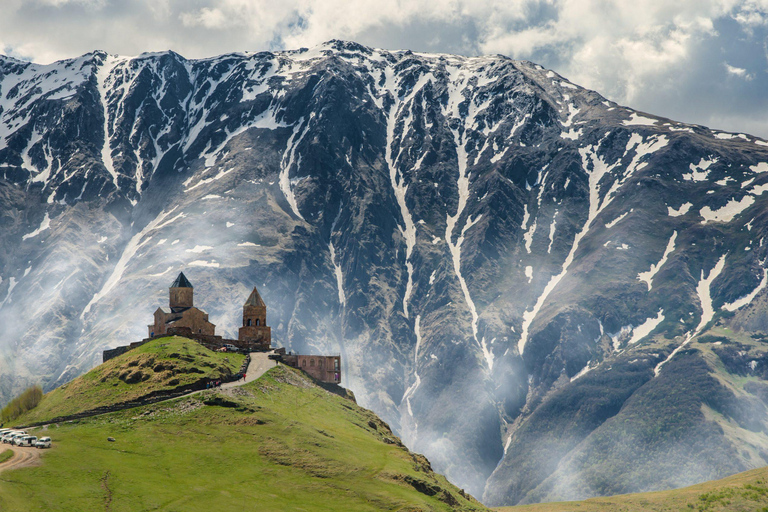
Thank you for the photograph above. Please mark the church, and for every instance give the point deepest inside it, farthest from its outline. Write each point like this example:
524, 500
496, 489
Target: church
181, 312
181, 317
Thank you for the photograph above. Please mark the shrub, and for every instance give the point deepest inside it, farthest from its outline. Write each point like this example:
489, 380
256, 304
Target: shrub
26, 401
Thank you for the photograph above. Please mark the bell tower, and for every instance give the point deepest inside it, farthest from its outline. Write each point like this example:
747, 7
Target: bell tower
255, 329
181, 292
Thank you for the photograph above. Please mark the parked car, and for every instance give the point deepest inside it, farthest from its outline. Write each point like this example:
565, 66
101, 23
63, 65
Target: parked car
43, 442
230, 347
26, 441
9, 437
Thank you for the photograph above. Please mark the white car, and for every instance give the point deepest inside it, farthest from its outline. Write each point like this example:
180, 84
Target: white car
10, 436
26, 440
43, 442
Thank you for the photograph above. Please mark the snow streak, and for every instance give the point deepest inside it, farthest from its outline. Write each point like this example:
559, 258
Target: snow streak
417, 380
134, 244
287, 162
600, 168
703, 290
396, 178
102, 76
336, 265
743, 301
647, 277
458, 84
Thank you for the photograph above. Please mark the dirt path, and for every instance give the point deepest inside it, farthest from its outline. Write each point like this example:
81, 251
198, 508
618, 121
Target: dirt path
23, 457
260, 363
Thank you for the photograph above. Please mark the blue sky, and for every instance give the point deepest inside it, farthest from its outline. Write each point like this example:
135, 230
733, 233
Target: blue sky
697, 61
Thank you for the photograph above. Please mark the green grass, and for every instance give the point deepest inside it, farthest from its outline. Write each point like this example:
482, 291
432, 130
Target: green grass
278, 443
743, 492
6, 455
161, 364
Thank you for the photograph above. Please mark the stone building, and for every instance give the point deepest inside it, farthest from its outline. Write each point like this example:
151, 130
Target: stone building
255, 330
181, 312
322, 368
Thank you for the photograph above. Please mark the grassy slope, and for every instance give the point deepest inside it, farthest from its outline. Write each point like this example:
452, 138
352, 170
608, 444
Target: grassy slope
278, 443
742, 492
5, 455
161, 364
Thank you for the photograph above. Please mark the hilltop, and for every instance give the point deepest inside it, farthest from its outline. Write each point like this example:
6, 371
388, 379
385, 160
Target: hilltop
161, 365
277, 443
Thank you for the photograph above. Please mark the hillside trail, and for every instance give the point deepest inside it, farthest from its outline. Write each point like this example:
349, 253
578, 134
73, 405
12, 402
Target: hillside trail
23, 457
258, 366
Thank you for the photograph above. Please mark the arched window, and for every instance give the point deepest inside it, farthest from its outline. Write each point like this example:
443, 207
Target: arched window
311, 362
320, 363
257, 322
249, 322
303, 362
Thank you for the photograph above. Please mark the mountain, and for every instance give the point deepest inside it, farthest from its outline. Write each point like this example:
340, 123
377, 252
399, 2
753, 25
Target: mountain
534, 286
277, 443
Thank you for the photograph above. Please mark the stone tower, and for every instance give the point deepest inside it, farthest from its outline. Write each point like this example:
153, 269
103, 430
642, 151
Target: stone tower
181, 294
255, 329
181, 315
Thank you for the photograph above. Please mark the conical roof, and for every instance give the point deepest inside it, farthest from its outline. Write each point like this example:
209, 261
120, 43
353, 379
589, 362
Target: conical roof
255, 299
181, 282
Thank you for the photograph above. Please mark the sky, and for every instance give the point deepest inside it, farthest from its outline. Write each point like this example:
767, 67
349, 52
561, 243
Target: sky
696, 61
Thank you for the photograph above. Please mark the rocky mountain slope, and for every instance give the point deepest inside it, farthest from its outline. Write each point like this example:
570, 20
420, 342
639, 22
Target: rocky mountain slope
516, 271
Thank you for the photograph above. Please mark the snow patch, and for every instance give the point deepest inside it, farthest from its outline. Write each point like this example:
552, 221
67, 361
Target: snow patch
700, 171
203, 263
581, 373
680, 211
644, 329
727, 212
45, 224
647, 277
636, 119
200, 248
743, 301
617, 220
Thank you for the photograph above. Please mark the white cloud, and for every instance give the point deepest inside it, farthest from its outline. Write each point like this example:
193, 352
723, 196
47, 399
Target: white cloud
739, 72
638, 53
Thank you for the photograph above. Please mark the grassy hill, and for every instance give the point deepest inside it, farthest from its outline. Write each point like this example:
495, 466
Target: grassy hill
161, 364
743, 492
277, 443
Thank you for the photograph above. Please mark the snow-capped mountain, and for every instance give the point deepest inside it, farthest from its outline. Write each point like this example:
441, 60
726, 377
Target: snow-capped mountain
550, 295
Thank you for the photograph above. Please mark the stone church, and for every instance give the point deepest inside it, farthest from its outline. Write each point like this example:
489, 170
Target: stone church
181, 317
181, 312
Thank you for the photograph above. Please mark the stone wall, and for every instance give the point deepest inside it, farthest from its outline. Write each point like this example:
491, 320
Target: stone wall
320, 368
208, 341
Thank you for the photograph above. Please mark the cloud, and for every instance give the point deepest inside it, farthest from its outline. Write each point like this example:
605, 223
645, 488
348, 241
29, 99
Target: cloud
739, 72
650, 54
